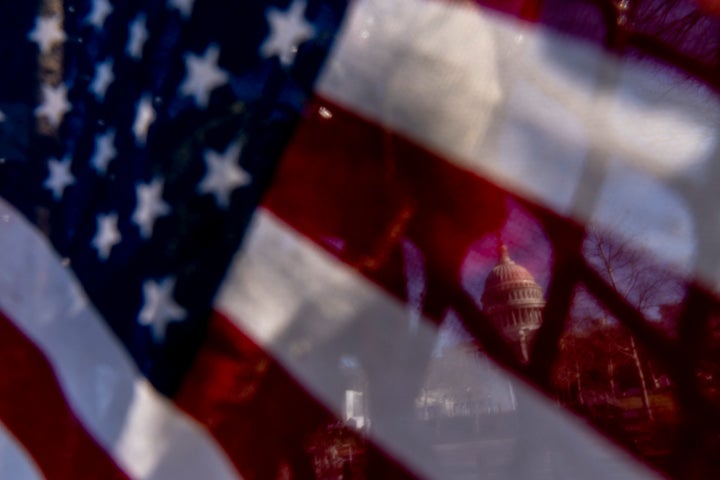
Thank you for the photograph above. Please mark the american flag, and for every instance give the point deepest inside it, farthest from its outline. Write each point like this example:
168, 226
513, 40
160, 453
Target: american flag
211, 211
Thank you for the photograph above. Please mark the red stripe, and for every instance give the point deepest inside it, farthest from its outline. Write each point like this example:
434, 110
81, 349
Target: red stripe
256, 411
359, 190
33, 408
682, 34
387, 189
524, 9
712, 7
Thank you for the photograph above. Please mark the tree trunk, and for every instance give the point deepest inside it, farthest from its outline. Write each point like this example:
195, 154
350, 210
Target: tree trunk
641, 374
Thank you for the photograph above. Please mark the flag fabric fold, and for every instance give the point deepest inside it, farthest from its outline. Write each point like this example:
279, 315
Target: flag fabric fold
237, 239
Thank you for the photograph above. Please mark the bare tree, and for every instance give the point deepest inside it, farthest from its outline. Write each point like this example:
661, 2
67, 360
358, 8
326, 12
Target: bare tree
598, 352
634, 273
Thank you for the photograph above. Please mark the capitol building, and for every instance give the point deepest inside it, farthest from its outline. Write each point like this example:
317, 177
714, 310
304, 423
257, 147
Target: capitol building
514, 303
461, 380
462, 385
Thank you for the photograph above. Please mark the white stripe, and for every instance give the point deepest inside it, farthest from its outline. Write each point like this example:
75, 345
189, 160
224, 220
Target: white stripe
531, 109
311, 312
15, 462
147, 435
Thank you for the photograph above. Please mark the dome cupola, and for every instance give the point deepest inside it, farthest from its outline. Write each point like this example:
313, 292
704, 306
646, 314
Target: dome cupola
513, 300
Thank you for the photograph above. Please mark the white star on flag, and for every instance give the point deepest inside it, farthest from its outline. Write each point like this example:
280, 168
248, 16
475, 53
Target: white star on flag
103, 78
150, 206
107, 235
144, 117
54, 105
99, 13
47, 32
183, 6
137, 37
223, 174
60, 177
104, 151
288, 29
203, 75
159, 308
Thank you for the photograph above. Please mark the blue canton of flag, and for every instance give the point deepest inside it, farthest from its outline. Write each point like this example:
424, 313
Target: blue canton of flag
139, 136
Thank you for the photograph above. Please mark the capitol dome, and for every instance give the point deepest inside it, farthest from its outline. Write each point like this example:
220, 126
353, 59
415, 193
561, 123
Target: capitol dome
513, 300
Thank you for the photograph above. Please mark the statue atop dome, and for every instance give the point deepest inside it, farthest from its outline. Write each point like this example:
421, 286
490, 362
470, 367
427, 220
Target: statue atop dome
513, 301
